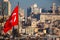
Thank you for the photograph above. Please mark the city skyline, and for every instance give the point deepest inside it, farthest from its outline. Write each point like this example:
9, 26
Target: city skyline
24, 4
31, 20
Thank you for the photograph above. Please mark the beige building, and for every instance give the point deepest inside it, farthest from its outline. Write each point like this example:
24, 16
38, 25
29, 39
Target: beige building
50, 17
21, 18
21, 12
30, 30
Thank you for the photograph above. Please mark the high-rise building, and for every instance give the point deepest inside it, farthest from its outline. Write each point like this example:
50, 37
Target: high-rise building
9, 8
28, 11
1, 2
5, 7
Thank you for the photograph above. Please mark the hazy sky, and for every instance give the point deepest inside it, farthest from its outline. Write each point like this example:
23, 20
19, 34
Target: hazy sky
27, 3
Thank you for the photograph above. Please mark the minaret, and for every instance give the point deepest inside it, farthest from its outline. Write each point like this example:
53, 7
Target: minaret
53, 8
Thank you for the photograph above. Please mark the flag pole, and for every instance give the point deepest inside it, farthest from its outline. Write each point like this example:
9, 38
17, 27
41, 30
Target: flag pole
18, 18
18, 24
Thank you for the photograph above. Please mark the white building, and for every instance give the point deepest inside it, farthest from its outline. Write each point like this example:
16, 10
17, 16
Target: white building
35, 9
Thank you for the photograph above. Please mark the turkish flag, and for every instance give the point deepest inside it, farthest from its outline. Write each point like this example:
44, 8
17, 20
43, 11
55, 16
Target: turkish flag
12, 20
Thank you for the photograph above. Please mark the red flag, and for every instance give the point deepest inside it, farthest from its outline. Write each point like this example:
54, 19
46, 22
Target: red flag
12, 21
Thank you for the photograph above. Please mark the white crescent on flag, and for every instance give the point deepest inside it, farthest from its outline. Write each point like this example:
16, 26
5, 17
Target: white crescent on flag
14, 14
15, 19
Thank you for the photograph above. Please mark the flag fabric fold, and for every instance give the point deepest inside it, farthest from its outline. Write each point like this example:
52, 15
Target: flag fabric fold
11, 21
